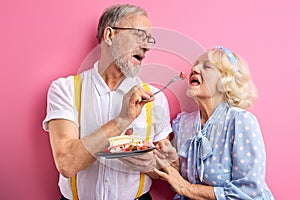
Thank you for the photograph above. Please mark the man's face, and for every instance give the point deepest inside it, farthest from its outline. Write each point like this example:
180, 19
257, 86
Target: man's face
128, 52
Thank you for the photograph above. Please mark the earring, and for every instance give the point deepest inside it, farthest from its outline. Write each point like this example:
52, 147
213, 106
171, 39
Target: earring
220, 85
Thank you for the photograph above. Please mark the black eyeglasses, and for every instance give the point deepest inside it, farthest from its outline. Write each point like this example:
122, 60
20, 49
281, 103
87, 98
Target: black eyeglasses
140, 34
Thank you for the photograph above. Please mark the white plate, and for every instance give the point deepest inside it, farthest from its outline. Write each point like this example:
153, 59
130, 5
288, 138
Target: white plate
109, 155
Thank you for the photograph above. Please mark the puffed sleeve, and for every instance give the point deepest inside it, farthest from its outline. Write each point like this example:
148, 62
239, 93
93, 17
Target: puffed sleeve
176, 122
248, 161
176, 125
60, 101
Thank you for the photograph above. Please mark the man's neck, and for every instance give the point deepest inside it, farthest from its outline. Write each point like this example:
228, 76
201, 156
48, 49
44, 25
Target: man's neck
111, 75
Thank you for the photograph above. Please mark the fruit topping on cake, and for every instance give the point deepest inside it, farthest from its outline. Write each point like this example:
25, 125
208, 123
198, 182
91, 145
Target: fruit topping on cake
127, 143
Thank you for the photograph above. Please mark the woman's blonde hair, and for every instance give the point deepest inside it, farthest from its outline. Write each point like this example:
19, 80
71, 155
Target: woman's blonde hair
236, 82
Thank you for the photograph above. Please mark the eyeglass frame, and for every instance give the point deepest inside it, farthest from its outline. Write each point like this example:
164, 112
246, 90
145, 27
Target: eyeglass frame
148, 38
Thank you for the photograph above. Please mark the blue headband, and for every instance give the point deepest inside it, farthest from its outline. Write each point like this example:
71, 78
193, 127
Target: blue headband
230, 56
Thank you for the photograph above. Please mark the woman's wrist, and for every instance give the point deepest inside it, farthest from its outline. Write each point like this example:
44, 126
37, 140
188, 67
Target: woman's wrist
184, 188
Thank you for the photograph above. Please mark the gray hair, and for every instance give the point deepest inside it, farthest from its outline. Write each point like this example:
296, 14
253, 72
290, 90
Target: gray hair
114, 14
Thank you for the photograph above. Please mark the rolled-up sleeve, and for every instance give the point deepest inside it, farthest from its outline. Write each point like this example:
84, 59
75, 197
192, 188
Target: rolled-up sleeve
60, 101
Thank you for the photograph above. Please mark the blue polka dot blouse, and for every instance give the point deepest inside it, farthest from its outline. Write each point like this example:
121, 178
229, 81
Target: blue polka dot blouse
227, 152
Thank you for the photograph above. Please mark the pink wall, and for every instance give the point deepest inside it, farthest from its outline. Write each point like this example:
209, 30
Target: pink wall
42, 40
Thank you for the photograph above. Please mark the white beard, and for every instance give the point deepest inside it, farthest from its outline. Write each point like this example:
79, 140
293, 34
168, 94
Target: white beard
128, 69
122, 61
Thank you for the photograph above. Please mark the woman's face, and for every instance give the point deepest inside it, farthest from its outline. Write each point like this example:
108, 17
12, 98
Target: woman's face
203, 80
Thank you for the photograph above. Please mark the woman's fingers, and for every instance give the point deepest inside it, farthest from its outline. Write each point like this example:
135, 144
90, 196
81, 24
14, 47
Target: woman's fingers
162, 175
163, 163
163, 144
159, 154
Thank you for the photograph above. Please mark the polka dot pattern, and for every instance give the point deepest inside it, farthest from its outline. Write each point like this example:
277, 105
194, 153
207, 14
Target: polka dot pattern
236, 168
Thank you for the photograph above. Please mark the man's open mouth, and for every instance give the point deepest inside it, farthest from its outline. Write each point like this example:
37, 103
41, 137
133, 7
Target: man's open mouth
138, 57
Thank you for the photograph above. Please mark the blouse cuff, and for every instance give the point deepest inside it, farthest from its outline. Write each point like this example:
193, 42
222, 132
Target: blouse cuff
219, 193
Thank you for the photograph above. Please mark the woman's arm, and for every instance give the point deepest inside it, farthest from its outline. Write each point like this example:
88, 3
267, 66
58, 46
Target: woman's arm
248, 161
183, 187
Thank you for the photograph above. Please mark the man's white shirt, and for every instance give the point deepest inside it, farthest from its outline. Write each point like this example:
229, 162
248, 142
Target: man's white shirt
105, 179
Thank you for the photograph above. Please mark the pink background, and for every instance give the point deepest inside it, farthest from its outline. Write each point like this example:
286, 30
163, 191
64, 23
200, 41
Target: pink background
42, 40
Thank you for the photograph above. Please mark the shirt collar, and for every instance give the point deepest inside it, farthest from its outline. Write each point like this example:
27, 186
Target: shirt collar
128, 83
102, 88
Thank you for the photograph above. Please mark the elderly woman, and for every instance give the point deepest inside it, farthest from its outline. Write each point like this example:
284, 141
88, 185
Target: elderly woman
220, 146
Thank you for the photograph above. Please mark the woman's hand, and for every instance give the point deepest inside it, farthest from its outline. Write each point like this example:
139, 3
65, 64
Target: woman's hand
172, 176
166, 154
183, 187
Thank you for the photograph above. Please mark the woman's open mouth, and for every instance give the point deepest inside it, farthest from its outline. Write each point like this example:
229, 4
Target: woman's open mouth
194, 81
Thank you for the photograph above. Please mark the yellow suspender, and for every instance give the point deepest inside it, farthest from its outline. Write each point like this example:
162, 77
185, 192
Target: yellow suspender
148, 133
77, 90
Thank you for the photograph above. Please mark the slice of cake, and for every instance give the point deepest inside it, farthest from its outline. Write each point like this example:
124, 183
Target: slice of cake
127, 143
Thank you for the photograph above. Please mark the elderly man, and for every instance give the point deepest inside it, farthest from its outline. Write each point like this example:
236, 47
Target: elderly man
84, 111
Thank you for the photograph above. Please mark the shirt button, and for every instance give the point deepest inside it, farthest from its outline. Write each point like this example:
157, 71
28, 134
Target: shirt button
106, 180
